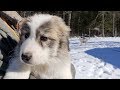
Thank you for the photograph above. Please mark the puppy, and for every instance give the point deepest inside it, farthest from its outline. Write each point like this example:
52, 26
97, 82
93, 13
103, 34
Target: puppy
42, 49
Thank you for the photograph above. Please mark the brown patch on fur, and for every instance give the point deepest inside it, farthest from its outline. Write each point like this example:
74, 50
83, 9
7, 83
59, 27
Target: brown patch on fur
45, 26
63, 32
47, 30
51, 43
57, 31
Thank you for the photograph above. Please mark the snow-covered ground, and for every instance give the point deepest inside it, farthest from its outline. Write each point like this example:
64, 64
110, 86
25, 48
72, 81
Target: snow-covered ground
99, 58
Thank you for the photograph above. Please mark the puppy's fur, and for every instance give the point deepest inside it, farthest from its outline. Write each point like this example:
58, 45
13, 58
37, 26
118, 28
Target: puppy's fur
46, 38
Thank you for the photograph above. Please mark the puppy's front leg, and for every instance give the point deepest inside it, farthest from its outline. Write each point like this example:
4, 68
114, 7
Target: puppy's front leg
17, 70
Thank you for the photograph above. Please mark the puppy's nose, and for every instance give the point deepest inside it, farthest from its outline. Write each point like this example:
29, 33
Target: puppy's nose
26, 56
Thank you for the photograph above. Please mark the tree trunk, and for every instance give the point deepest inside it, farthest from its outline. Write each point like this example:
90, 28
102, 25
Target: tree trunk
69, 18
78, 25
89, 32
64, 15
113, 24
115, 33
103, 33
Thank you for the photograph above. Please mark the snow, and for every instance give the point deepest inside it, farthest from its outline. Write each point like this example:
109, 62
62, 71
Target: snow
98, 58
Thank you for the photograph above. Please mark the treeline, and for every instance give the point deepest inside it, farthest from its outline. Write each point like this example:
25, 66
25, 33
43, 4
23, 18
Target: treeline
90, 23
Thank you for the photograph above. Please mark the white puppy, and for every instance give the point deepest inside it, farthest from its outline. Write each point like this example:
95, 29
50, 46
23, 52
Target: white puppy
42, 50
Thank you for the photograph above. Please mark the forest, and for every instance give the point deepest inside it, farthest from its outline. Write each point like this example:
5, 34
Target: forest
90, 23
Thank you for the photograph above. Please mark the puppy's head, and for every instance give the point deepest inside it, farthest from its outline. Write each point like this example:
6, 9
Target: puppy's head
42, 37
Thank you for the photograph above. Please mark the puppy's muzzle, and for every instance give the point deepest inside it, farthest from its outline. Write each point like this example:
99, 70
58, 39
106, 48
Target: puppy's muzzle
26, 57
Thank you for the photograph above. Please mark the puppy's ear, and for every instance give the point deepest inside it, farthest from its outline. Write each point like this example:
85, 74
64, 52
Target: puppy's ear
20, 24
64, 33
62, 25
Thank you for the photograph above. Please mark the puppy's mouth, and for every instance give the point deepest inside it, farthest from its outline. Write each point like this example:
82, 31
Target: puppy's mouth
26, 62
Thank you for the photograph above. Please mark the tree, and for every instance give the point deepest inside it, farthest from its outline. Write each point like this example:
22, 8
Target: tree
103, 32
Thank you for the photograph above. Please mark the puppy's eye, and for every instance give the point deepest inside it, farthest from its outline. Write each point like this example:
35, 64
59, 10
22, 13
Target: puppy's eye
43, 38
27, 35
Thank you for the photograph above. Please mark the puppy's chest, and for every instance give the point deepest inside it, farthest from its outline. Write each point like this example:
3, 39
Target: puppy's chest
45, 72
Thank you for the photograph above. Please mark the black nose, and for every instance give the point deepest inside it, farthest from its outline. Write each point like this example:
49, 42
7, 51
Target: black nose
26, 56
